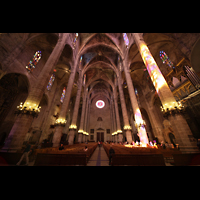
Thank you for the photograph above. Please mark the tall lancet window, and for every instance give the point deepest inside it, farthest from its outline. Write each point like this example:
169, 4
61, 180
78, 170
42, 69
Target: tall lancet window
63, 95
84, 80
126, 40
137, 96
75, 40
34, 61
165, 59
51, 80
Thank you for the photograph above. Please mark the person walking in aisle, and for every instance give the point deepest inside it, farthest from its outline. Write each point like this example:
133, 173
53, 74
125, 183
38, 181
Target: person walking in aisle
26, 153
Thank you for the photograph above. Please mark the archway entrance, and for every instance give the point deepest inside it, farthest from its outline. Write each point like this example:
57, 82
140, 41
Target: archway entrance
100, 136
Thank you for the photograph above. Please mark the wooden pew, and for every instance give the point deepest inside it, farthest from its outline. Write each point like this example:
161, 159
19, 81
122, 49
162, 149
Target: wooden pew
71, 155
135, 156
138, 160
60, 159
186, 159
11, 158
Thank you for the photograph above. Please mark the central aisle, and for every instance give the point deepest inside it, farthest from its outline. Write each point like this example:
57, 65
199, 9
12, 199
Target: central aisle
99, 158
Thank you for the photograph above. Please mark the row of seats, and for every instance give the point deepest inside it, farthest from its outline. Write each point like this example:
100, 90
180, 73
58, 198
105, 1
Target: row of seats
70, 155
148, 156
138, 156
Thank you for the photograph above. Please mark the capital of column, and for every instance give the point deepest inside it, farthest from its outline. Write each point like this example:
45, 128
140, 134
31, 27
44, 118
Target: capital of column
119, 131
80, 131
114, 133
173, 110
72, 127
85, 133
28, 109
60, 122
127, 127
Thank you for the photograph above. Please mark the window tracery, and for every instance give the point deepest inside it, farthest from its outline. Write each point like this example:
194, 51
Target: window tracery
165, 59
63, 95
126, 40
34, 61
51, 80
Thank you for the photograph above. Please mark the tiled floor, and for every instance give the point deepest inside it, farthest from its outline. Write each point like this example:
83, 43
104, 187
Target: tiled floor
99, 158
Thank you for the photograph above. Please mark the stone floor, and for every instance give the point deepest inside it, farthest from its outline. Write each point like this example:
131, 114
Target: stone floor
99, 158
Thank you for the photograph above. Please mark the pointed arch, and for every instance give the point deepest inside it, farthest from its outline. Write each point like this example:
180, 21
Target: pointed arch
91, 64
95, 40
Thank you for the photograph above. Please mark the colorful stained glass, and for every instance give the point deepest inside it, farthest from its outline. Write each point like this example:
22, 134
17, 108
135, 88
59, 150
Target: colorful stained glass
32, 63
84, 79
63, 95
100, 104
81, 58
52, 78
165, 59
126, 40
136, 92
75, 40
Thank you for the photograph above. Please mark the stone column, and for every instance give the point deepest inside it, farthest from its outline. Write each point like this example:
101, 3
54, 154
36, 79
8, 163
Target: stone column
73, 126
64, 108
83, 114
157, 78
181, 129
23, 121
87, 116
137, 114
117, 126
127, 126
111, 116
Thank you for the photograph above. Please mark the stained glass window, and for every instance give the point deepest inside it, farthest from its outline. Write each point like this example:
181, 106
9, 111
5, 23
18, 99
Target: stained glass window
126, 40
84, 79
100, 104
32, 63
165, 59
75, 40
137, 96
81, 58
63, 95
51, 80
136, 92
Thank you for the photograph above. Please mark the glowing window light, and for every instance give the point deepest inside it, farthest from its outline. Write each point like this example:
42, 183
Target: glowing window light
75, 40
141, 129
165, 59
155, 73
84, 79
51, 80
63, 95
100, 104
126, 40
32, 63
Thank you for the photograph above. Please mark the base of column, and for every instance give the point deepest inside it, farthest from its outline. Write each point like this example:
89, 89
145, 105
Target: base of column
182, 132
84, 137
57, 136
80, 136
15, 140
71, 137
116, 138
158, 132
128, 136
120, 137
